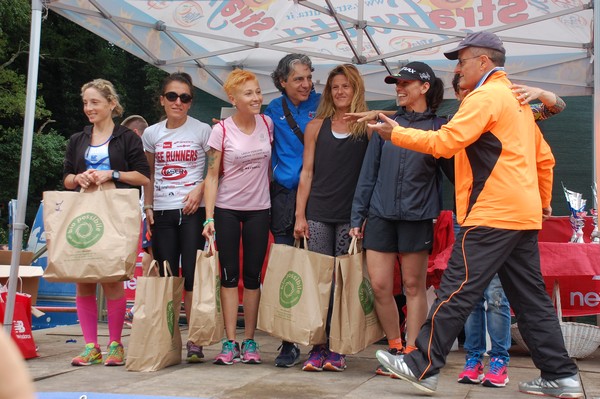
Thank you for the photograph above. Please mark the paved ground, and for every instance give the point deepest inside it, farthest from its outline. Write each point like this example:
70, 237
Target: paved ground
53, 373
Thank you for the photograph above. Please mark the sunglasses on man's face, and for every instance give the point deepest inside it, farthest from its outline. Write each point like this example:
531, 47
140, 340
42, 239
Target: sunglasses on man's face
172, 96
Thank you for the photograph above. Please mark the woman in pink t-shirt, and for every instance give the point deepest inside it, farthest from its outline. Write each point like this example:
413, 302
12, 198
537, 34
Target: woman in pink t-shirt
237, 206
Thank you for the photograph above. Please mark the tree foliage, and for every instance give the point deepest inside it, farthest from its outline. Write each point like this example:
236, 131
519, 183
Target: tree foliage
69, 57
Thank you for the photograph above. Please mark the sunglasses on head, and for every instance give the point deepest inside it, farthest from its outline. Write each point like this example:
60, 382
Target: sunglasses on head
172, 96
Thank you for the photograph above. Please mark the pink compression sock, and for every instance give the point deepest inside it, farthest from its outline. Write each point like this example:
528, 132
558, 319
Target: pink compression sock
87, 312
116, 317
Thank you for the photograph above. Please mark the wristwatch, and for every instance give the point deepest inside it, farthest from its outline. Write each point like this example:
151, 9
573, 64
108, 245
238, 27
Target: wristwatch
116, 175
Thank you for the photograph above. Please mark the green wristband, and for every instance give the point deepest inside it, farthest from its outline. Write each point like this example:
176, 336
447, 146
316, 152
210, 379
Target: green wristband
207, 221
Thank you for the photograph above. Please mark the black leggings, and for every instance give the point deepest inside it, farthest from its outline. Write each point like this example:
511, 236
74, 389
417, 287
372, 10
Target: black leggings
253, 228
175, 234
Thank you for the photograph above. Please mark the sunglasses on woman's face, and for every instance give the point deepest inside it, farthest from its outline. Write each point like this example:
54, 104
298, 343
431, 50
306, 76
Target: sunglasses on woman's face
172, 96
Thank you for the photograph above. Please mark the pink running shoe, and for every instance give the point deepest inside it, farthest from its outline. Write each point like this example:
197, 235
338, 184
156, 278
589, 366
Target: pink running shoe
250, 353
497, 376
230, 353
472, 373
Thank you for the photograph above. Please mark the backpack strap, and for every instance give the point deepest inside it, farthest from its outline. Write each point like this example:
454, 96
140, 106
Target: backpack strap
267, 125
222, 166
291, 121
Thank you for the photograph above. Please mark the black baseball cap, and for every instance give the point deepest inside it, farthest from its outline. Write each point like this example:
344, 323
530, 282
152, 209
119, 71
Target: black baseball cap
412, 71
478, 39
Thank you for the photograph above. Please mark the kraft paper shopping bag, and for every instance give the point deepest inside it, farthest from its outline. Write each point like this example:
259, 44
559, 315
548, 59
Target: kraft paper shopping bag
354, 322
155, 341
91, 236
295, 294
206, 315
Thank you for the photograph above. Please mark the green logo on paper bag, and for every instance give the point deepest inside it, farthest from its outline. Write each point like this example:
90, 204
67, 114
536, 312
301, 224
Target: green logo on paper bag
171, 318
218, 293
366, 296
85, 230
290, 290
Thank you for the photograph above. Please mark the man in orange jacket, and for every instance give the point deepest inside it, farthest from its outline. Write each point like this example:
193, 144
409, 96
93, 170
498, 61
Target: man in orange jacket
504, 171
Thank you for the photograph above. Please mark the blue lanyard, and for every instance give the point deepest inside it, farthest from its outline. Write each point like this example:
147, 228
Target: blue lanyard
487, 75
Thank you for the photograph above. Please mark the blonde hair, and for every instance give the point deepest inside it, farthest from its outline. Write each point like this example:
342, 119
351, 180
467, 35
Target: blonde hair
235, 79
326, 107
107, 90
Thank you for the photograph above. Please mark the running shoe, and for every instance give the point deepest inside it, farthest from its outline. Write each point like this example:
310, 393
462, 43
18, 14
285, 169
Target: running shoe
250, 353
396, 365
289, 355
568, 387
129, 317
335, 362
230, 353
497, 376
380, 370
316, 358
90, 355
194, 353
116, 354
472, 373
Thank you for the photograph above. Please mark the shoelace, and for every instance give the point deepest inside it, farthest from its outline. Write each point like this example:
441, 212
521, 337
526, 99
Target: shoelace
193, 347
228, 347
471, 363
88, 350
316, 354
250, 345
113, 350
496, 366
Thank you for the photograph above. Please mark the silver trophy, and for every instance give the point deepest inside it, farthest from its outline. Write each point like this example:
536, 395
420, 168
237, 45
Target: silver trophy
577, 218
594, 237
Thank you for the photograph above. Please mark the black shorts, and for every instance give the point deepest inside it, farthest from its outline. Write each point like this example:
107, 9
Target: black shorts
398, 236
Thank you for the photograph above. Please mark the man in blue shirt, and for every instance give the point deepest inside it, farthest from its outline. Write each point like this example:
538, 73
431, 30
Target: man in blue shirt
290, 113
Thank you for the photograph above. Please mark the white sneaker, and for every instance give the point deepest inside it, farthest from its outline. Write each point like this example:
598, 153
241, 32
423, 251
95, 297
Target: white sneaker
396, 365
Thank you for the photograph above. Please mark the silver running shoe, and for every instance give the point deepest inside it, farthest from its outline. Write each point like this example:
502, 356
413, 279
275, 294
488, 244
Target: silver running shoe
568, 387
396, 365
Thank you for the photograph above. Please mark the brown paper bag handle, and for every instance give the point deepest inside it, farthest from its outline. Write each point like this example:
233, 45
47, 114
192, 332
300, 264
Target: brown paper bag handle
153, 264
104, 186
297, 242
167, 269
556, 299
211, 245
353, 249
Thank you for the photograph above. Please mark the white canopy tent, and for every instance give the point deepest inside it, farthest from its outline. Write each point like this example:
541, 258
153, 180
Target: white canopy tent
549, 44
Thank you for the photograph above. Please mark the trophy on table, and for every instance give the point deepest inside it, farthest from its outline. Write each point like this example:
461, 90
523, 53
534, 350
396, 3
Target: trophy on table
577, 218
595, 237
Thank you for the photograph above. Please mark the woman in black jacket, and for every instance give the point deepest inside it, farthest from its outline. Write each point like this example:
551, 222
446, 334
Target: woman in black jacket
396, 199
100, 153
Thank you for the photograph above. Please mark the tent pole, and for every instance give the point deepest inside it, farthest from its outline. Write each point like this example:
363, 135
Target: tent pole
596, 98
19, 222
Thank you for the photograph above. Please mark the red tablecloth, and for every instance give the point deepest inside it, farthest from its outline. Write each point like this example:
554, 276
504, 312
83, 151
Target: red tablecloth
577, 268
558, 229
